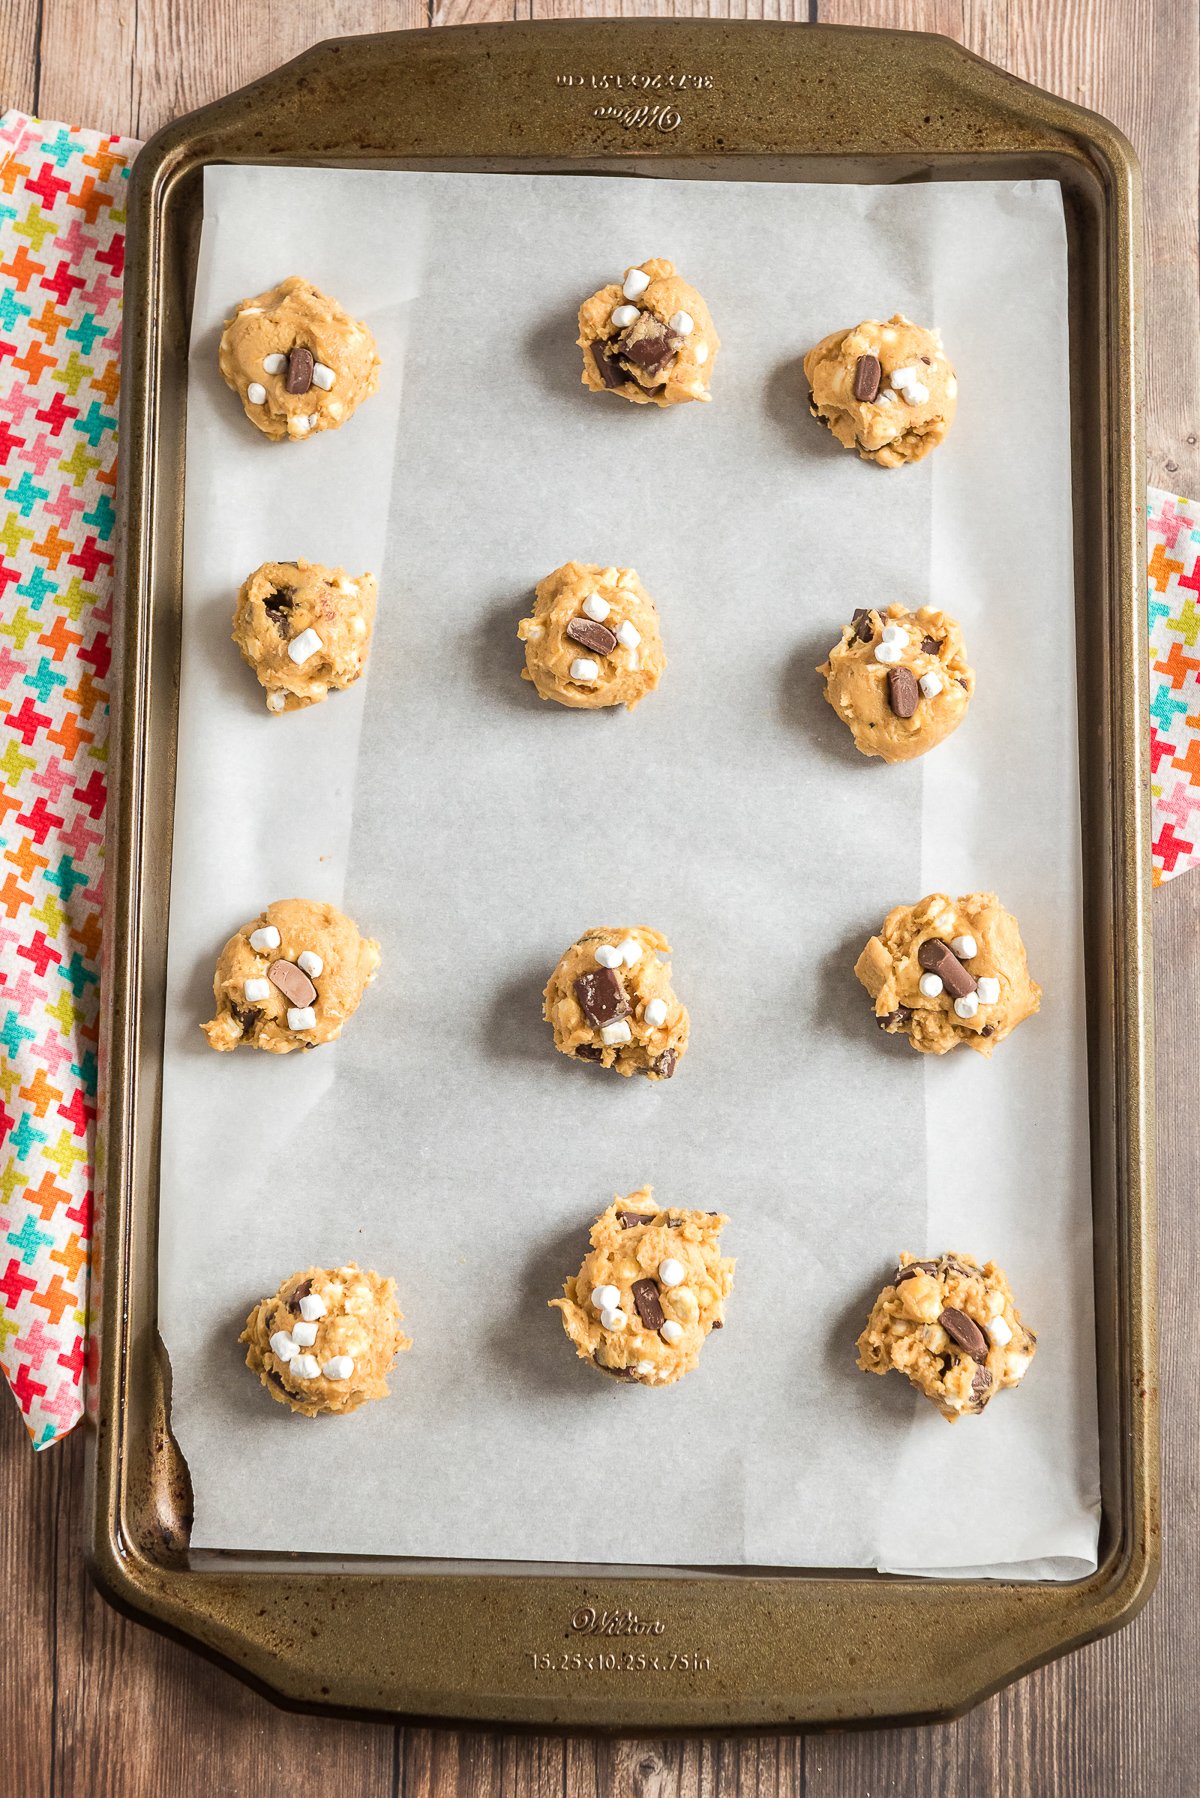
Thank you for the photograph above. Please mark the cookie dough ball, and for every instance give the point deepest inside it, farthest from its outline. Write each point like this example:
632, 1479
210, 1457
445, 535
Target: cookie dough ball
326, 1342
649, 1292
900, 680
304, 629
949, 971
593, 638
887, 391
648, 338
952, 1328
297, 361
610, 1000
290, 978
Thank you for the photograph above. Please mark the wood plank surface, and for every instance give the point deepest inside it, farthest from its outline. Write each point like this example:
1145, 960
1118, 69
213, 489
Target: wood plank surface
92, 1705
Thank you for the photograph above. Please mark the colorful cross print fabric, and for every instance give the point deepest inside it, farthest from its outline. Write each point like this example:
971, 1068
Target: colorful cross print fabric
1173, 582
62, 221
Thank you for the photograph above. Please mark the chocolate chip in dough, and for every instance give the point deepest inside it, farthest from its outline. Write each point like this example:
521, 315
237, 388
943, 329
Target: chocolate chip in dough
980, 1387
589, 1052
965, 1331
648, 344
649, 1306
903, 691
930, 645
666, 1064
245, 1017
299, 370
278, 607
602, 997
896, 1020
302, 1291
864, 629
593, 636
292, 982
628, 1219
867, 376
914, 1267
937, 957
607, 366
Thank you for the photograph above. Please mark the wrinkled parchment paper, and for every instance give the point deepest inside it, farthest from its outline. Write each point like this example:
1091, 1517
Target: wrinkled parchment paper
476, 832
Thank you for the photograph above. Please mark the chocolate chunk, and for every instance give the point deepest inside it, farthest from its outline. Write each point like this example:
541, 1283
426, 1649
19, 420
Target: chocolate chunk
666, 1064
980, 1386
602, 997
930, 645
299, 370
903, 691
953, 1265
896, 1020
965, 1331
607, 366
592, 636
278, 606
988, 1030
627, 1219
866, 378
649, 1306
245, 1017
302, 1291
914, 1267
615, 1373
292, 982
937, 957
589, 1052
926, 361
648, 344
864, 628
718, 1323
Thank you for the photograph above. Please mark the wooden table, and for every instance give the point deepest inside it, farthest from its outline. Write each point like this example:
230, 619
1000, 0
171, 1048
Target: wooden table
93, 1705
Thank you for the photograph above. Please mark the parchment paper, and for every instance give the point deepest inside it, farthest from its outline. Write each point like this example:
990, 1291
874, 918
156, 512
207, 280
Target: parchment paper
476, 832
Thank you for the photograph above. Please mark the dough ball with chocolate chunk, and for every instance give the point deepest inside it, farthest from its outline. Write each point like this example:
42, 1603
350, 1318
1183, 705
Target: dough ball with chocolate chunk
290, 978
952, 1328
593, 638
899, 679
651, 1288
304, 629
325, 1344
949, 971
610, 1000
648, 338
298, 363
885, 390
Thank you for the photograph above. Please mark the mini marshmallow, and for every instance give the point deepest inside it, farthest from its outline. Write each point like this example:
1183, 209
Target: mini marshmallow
256, 991
901, 377
636, 283
275, 702
965, 947
583, 668
670, 1331
274, 362
608, 956
596, 608
311, 964
930, 684
606, 1298
999, 1331
889, 651
256, 393
312, 1306
338, 1367
701, 354
628, 635
967, 1006
631, 952
313, 417
306, 1367
304, 1334
644, 1368
301, 1017
656, 1013
306, 645
616, 1032
1015, 1365
265, 938
682, 323
930, 985
614, 1319
282, 1347
671, 1272
624, 315
895, 633
322, 377
916, 393
297, 425
988, 989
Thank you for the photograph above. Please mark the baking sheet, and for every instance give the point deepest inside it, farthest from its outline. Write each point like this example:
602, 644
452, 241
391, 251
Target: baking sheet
476, 832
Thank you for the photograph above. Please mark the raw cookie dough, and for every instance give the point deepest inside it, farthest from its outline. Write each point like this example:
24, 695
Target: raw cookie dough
953, 1328
326, 1342
900, 680
297, 361
648, 338
610, 1000
887, 391
290, 978
649, 1292
593, 638
949, 971
304, 629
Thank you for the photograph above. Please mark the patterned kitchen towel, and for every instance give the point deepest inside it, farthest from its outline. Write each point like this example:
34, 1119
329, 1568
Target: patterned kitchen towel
62, 221
1173, 588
